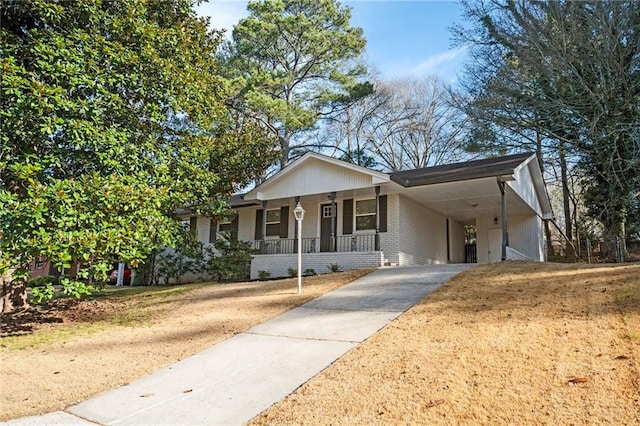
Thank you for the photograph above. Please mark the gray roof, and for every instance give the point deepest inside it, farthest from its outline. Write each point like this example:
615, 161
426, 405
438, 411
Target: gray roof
477, 169
237, 201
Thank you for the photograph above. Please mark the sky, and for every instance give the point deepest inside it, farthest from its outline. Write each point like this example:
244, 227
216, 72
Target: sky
404, 38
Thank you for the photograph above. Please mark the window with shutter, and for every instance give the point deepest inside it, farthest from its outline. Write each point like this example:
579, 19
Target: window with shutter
365, 214
273, 223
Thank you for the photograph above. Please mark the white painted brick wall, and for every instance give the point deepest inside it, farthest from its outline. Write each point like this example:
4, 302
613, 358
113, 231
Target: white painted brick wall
277, 264
422, 234
390, 240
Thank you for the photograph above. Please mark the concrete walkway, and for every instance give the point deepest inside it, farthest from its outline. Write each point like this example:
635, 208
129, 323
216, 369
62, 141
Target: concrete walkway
237, 379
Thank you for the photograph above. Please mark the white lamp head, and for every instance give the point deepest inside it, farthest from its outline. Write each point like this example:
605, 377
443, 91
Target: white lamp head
298, 212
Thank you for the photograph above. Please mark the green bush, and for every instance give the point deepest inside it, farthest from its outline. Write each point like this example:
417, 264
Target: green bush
175, 265
229, 261
264, 275
309, 272
292, 272
42, 281
334, 267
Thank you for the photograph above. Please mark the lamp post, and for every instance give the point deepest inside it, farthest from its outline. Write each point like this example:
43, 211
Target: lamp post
298, 212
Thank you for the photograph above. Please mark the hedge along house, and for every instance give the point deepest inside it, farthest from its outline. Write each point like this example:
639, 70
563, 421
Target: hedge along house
358, 218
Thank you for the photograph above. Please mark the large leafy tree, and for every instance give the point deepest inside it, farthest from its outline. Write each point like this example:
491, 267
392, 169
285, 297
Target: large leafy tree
112, 116
564, 77
295, 61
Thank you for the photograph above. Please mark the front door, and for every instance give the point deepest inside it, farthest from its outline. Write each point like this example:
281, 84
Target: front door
327, 215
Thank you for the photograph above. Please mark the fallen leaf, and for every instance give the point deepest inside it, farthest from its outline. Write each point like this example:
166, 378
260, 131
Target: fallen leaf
146, 395
434, 403
621, 357
187, 391
575, 380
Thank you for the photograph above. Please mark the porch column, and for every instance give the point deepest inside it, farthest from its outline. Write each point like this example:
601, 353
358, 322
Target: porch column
505, 230
263, 245
295, 229
334, 218
377, 237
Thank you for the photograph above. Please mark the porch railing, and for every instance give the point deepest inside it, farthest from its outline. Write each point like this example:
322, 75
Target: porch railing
344, 243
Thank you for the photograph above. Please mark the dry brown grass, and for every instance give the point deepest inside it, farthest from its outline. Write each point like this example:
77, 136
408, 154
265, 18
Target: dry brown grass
512, 343
111, 342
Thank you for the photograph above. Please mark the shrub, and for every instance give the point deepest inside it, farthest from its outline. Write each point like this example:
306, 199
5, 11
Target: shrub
334, 267
264, 275
42, 281
309, 272
292, 272
230, 261
175, 265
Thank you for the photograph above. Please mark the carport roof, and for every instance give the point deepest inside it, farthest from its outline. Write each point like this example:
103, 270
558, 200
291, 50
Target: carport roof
477, 169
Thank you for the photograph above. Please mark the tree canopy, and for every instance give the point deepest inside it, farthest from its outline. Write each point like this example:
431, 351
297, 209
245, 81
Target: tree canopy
563, 77
293, 62
405, 123
112, 116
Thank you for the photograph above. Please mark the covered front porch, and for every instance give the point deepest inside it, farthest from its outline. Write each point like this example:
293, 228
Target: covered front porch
341, 244
342, 231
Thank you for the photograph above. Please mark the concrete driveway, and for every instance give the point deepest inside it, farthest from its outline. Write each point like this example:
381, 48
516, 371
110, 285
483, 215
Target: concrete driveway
237, 379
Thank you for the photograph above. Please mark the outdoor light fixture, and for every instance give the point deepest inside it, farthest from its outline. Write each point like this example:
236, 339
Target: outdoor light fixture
298, 212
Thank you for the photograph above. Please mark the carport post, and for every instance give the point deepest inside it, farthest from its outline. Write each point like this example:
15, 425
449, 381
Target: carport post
505, 230
377, 237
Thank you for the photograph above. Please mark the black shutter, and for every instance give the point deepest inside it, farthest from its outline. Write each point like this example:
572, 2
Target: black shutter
284, 222
213, 228
258, 233
347, 217
383, 213
193, 224
234, 227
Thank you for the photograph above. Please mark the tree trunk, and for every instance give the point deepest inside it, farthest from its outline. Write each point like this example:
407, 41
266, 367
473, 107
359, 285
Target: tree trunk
13, 293
284, 147
566, 202
547, 232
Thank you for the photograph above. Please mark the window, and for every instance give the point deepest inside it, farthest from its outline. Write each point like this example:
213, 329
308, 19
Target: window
273, 223
327, 211
190, 224
365, 214
230, 227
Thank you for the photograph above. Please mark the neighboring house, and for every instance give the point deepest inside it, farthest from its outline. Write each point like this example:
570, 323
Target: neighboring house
358, 218
42, 267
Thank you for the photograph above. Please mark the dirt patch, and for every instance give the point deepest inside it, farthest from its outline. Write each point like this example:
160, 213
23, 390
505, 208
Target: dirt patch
70, 350
512, 343
56, 312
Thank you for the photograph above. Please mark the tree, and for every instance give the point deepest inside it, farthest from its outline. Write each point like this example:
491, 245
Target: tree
406, 123
113, 116
569, 73
294, 62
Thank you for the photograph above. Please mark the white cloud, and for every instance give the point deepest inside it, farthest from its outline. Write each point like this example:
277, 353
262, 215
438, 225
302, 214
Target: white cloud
443, 64
223, 13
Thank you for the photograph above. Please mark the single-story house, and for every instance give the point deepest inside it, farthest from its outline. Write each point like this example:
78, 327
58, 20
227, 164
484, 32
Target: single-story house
356, 217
